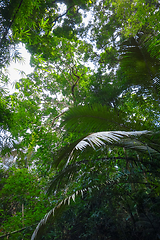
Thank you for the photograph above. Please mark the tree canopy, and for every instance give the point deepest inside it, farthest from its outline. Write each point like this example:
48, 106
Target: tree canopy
80, 135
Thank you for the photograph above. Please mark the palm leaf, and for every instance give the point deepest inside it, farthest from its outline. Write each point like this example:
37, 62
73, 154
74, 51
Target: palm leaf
89, 118
69, 173
64, 154
152, 43
112, 138
139, 60
69, 153
60, 207
139, 146
55, 213
65, 176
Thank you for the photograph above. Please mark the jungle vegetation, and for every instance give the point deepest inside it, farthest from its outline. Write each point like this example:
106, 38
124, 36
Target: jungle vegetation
80, 135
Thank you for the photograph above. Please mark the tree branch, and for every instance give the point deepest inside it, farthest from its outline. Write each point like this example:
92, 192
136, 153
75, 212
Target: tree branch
7, 29
16, 231
57, 117
55, 20
75, 83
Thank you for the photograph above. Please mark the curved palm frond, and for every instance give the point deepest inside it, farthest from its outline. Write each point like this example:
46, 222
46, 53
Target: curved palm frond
64, 154
152, 43
118, 139
55, 213
112, 138
65, 176
89, 118
135, 144
139, 60
60, 207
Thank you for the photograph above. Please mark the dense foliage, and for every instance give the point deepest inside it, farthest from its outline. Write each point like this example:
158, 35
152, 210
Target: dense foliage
80, 135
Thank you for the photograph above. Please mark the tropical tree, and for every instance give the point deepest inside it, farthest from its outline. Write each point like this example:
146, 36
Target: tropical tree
109, 166
95, 85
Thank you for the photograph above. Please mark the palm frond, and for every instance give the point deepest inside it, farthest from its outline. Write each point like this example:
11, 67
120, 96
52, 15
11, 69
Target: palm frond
152, 43
139, 146
89, 118
65, 176
139, 61
112, 138
64, 154
55, 213
118, 139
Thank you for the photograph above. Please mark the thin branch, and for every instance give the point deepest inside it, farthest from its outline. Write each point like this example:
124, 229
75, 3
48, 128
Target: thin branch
75, 83
16, 231
7, 29
57, 117
55, 20
63, 13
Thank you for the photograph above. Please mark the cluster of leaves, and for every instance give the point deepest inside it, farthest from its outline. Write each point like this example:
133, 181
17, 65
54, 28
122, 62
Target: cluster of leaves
85, 134
23, 202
